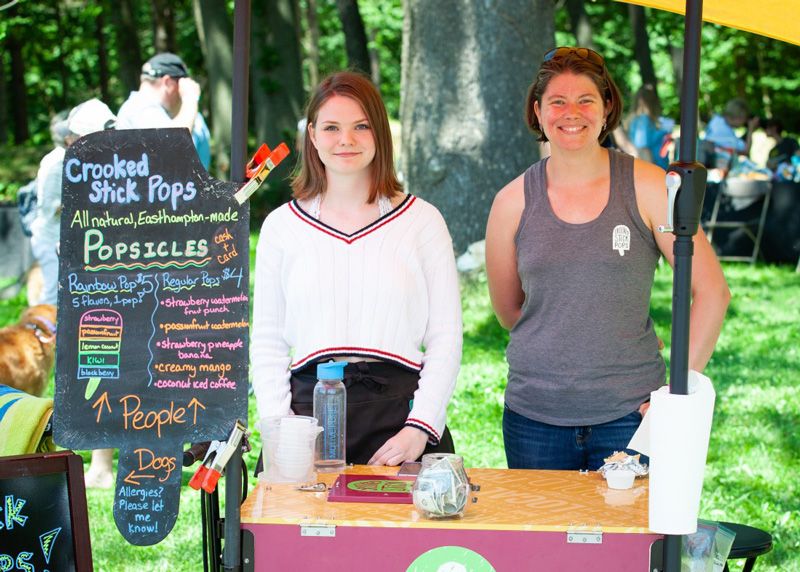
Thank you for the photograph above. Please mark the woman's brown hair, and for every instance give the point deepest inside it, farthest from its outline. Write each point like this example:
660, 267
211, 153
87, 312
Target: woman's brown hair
574, 63
310, 181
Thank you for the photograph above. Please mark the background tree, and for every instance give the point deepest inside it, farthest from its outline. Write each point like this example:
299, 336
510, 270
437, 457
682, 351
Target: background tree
579, 23
102, 56
276, 83
355, 37
3, 100
163, 26
19, 97
76, 49
216, 41
462, 106
641, 44
311, 41
124, 17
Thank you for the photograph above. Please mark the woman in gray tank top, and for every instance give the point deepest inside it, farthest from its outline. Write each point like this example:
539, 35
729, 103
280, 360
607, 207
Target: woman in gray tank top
571, 251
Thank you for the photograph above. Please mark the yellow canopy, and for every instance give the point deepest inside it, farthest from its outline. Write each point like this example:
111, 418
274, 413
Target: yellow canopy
774, 18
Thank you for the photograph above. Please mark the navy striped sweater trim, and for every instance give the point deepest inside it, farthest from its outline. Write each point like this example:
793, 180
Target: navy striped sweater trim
433, 436
395, 213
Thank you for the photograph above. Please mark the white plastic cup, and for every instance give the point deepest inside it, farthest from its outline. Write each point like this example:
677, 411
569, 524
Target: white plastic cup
295, 471
289, 448
620, 478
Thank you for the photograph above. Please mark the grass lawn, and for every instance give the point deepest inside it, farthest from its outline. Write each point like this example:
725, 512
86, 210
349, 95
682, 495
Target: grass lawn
754, 455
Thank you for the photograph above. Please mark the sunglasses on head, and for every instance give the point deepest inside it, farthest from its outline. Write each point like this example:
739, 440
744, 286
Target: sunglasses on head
583, 53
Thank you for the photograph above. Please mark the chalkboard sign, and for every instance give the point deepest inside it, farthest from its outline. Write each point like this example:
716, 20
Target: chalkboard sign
152, 348
43, 517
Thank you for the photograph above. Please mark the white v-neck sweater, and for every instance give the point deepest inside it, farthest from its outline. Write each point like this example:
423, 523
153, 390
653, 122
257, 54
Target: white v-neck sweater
388, 291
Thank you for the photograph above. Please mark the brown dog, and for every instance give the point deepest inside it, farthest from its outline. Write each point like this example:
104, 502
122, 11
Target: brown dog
28, 350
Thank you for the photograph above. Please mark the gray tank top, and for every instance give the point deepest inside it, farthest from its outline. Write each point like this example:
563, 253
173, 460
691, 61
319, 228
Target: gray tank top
584, 350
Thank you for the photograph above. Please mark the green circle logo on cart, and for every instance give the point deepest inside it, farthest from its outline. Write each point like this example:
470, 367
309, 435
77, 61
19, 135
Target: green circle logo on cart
450, 559
380, 486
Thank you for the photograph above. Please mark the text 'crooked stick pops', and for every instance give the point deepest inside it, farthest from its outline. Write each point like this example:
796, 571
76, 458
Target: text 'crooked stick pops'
153, 314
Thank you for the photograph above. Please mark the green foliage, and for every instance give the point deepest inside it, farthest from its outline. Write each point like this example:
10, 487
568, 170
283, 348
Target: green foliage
332, 55
383, 20
383, 23
61, 52
18, 166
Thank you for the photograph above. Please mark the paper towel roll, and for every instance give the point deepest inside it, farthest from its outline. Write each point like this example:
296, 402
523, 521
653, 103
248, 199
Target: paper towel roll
680, 426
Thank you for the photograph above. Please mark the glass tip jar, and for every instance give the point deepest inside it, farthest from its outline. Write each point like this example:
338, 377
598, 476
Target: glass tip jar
442, 488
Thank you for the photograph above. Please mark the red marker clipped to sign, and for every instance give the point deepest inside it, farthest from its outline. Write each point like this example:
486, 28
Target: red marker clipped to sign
259, 168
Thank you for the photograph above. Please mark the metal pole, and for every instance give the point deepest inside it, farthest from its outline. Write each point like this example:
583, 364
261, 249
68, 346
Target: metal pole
232, 553
241, 80
691, 79
688, 206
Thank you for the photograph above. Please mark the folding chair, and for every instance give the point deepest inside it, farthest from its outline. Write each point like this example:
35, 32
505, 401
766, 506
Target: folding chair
735, 194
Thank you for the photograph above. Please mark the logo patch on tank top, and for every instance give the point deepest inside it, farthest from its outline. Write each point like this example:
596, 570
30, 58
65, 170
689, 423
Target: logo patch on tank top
621, 239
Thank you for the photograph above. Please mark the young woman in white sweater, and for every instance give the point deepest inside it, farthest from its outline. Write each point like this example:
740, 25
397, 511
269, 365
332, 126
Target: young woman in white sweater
353, 269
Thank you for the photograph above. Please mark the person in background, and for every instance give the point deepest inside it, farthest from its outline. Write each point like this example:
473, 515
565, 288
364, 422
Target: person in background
721, 129
88, 117
644, 131
571, 253
785, 147
167, 97
354, 269
46, 225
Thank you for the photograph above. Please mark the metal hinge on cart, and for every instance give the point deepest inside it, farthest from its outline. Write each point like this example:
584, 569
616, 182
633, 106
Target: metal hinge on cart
321, 530
583, 536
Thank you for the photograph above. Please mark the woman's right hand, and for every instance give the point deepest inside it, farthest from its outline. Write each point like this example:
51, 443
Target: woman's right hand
407, 445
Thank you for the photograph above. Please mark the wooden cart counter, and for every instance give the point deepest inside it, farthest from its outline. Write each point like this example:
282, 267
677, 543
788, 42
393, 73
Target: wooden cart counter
523, 520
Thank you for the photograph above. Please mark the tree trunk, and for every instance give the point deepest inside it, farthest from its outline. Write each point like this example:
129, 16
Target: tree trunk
641, 45
312, 42
276, 73
355, 37
63, 34
19, 93
464, 135
216, 40
676, 54
581, 26
374, 60
130, 61
164, 26
3, 100
102, 56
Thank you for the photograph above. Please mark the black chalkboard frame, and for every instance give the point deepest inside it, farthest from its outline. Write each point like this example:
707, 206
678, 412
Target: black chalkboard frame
67, 462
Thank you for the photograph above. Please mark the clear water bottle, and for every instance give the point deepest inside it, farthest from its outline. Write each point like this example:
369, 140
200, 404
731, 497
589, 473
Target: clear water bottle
330, 409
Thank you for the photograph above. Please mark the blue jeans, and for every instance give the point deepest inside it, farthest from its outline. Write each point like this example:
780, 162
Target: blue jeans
533, 445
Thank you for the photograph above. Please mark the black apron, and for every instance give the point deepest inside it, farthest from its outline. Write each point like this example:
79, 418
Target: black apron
379, 397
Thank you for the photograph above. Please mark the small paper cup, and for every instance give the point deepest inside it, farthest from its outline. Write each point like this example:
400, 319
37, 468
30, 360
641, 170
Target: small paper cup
620, 478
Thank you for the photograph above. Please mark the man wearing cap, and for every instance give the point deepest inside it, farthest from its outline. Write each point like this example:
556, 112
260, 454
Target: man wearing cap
167, 97
88, 117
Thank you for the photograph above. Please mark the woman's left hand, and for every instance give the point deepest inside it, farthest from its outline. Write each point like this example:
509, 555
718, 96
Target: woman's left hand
643, 408
407, 445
